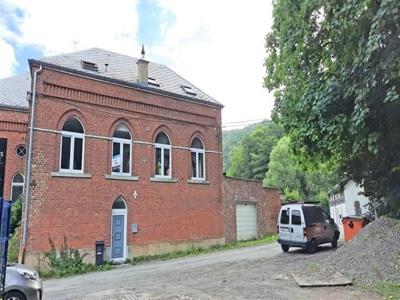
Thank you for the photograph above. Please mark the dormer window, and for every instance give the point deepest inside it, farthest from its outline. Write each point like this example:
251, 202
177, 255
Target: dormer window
153, 82
188, 90
89, 65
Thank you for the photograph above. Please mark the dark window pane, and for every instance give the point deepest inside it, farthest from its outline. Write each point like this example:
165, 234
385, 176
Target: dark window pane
162, 138
65, 152
116, 159
285, 217
167, 170
158, 161
16, 192
296, 218
194, 164
201, 165
326, 217
122, 132
197, 144
357, 208
73, 125
126, 158
119, 204
78, 149
18, 178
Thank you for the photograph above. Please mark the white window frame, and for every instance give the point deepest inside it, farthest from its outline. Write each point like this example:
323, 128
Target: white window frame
121, 147
163, 147
73, 135
198, 151
17, 184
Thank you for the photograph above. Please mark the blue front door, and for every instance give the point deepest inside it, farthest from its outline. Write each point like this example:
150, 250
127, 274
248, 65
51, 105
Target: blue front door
117, 250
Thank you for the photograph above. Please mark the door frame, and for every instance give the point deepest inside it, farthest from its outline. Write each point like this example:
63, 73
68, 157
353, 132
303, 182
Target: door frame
119, 212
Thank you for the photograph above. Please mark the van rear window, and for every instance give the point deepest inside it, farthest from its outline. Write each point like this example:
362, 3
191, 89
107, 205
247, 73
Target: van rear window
296, 217
285, 216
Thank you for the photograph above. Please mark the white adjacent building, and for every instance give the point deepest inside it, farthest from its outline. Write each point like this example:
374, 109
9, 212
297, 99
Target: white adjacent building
345, 200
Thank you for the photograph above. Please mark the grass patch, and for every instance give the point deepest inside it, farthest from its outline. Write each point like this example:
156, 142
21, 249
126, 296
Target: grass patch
388, 289
200, 250
65, 272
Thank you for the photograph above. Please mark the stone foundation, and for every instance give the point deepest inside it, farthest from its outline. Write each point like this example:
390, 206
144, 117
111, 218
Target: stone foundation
38, 260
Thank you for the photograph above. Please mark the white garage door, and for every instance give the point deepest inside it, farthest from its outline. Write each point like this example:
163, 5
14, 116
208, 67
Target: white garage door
246, 221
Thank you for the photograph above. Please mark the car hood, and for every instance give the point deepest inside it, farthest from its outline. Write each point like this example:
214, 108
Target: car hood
21, 268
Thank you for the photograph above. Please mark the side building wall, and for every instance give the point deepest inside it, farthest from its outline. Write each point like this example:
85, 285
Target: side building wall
267, 201
13, 128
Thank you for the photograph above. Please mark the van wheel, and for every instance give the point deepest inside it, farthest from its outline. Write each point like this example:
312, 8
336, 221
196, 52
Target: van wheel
285, 248
335, 239
311, 247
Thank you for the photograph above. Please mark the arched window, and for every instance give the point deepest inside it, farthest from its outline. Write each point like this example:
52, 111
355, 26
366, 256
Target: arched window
119, 203
197, 158
163, 156
72, 146
17, 187
121, 151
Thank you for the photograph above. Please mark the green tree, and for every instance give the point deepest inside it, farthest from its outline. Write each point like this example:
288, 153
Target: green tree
250, 158
282, 172
334, 66
299, 178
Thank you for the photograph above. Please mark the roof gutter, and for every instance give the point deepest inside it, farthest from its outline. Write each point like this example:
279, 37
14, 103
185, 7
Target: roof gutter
14, 108
29, 162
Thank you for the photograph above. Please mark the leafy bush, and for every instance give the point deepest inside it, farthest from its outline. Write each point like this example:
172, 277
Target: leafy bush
13, 246
16, 215
68, 261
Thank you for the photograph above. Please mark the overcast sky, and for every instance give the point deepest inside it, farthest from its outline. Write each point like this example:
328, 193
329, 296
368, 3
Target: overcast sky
216, 45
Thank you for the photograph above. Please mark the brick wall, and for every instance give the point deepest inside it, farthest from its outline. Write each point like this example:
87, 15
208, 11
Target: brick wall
13, 127
267, 201
80, 208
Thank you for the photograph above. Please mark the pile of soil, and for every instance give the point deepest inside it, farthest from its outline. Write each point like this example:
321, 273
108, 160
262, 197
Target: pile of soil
372, 255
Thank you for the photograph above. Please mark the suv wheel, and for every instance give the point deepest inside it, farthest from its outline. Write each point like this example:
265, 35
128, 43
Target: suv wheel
14, 295
311, 247
285, 248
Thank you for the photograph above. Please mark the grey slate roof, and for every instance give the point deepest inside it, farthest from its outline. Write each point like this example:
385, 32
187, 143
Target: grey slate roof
120, 67
13, 91
124, 68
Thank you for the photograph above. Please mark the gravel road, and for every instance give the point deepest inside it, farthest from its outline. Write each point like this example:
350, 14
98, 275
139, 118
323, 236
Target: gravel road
260, 272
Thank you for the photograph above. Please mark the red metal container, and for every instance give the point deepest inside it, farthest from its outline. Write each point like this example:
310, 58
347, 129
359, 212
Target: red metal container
352, 225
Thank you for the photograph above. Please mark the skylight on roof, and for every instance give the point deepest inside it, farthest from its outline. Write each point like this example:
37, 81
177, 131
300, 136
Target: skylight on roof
188, 90
152, 81
89, 65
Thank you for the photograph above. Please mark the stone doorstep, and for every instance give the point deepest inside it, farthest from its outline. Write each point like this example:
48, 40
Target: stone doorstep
337, 279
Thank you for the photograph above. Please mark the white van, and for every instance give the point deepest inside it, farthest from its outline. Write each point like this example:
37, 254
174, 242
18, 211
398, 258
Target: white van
306, 226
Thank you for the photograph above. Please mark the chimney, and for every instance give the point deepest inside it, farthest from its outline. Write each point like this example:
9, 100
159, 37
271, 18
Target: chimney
143, 69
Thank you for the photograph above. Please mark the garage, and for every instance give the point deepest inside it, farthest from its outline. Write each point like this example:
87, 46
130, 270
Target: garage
246, 221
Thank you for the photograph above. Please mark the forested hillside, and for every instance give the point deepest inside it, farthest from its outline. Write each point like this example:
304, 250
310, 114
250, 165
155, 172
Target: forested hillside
262, 152
230, 138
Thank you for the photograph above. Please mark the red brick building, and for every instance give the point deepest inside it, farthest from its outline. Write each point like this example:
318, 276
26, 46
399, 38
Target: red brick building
124, 151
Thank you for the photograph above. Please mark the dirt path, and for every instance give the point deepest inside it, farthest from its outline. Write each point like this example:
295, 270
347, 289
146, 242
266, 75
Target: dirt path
260, 272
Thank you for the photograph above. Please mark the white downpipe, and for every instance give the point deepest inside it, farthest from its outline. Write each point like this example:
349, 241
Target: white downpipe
29, 162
